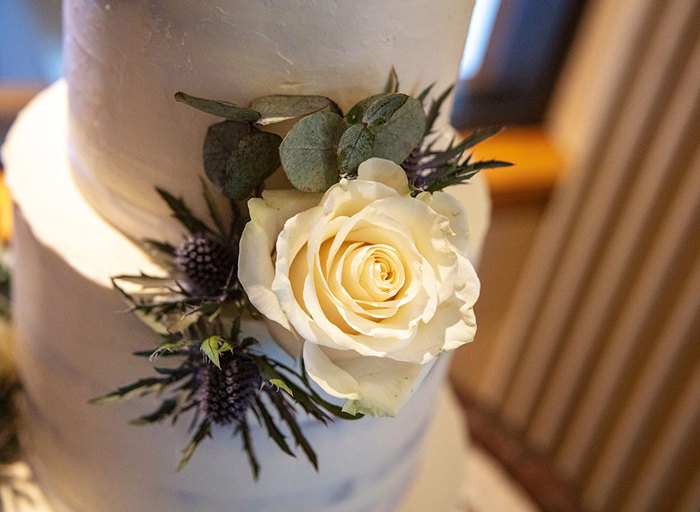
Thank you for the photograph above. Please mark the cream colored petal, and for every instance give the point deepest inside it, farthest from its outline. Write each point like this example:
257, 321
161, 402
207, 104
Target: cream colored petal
349, 197
386, 172
448, 206
290, 242
256, 274
376, 386
255, 268
452, 325
429, 232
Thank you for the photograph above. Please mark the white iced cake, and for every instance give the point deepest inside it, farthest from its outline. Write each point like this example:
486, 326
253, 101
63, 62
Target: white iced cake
83, 161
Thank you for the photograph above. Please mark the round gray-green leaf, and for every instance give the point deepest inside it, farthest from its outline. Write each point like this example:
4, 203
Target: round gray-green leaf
219, 108
221, 140
356, 113
255, 158
355, 147
309, 152
395, 139
381, 109
277, 108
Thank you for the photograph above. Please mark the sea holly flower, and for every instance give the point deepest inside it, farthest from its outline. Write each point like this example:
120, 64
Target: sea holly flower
368, 283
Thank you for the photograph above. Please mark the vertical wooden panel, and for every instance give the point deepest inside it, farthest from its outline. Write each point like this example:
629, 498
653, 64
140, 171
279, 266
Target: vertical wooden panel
678, 130
606, 189
679, 441
644, 408
690, 500
562, 212
679, 227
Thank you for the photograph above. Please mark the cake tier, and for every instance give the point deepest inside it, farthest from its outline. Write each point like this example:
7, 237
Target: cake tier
75, 341
126, 60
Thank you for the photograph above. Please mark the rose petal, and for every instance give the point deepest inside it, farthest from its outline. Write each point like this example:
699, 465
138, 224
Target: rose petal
386, 172
377, 386
256, 273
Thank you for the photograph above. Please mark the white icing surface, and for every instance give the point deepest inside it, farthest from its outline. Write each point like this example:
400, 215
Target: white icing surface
125, 61
74, 344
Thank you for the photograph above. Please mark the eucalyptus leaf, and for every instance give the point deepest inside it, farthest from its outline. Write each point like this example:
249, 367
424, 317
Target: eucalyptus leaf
219, 108
395, 139
382, 109
309, 152
221, 140
282, 107
356, 113
355, 147
255, 158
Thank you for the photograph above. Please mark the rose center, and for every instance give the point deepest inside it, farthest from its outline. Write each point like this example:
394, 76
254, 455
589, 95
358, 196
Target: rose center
378, 271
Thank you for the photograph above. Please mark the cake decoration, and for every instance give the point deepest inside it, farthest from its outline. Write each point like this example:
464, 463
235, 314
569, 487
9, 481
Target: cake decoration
359, 272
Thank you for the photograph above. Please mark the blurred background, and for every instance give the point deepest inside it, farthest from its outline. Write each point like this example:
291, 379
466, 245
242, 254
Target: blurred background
583, 386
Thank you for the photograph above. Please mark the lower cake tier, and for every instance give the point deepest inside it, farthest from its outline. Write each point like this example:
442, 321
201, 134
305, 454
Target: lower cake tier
74, 341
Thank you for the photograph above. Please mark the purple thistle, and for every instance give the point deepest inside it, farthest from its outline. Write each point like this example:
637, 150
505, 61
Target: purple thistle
207, 264
226, 394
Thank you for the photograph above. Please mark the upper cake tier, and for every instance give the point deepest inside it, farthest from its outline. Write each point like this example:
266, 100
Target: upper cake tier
126, 60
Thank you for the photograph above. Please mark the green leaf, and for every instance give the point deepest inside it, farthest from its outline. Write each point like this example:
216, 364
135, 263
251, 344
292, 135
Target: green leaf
255, 158
143, 386
144, 280
221, 140
272, 429
282, 107
424, 93
355, 147
463, 173
168, 347
248, 447
182, 213
477, 136
164, 247
435, 107
396, 138
382, 109
288, 417
165, 409
210, 348
279, 383
214, 213
356, 113
309, 152
219, 108
392, 83
204, 430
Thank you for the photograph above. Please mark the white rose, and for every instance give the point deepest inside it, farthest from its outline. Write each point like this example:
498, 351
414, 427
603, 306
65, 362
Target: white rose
367, 283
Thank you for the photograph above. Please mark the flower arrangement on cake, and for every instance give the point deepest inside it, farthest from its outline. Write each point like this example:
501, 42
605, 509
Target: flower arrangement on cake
359, 270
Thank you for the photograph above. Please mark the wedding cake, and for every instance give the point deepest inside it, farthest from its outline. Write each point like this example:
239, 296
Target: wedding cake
84, 162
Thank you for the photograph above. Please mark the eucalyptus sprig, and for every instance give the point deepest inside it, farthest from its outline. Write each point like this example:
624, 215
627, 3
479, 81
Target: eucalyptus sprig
324, 145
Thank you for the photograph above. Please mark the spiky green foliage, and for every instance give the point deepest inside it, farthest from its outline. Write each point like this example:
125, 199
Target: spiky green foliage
432, 170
